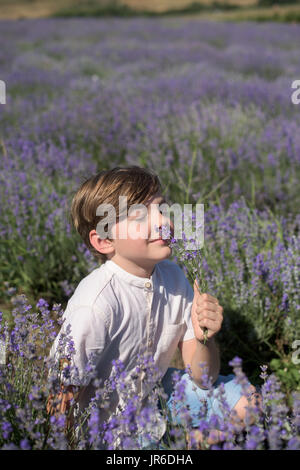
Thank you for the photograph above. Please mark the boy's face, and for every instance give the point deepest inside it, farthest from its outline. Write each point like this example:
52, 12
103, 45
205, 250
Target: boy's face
141, 247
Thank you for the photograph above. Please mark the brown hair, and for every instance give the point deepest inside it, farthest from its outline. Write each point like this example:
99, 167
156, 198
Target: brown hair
136, 183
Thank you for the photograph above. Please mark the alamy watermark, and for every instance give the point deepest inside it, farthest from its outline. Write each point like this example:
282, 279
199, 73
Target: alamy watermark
295, 359
2, 92
134, 222
2, 352
296, 94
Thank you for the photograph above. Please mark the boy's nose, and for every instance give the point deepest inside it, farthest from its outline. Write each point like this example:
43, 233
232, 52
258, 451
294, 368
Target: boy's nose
160, 222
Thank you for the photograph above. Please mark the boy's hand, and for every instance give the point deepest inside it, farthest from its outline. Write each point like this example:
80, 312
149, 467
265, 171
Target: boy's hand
206, 312
61, 403
63, 397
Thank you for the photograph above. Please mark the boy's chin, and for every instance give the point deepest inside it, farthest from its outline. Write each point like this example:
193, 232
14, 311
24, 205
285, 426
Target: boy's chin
164, 252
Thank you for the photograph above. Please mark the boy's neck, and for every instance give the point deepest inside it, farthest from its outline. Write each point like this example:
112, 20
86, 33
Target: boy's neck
133, 268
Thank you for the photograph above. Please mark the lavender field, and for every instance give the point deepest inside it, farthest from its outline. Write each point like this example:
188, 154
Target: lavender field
208, 107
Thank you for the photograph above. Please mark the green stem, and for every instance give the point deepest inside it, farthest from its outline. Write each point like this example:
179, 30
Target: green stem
190, 175
203, 287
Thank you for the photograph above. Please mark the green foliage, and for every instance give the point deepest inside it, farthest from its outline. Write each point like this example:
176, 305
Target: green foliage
280, 17
115, 8
96, 8
288, 374
269, 3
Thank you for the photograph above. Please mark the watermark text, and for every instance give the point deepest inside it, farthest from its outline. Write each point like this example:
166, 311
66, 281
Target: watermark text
296, 94
140, 221
2, 92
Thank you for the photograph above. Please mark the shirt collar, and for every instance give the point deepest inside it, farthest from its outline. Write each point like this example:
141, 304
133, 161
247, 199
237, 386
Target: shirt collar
138, 281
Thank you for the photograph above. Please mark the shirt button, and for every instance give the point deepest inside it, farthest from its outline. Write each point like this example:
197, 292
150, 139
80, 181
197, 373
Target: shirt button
148, 284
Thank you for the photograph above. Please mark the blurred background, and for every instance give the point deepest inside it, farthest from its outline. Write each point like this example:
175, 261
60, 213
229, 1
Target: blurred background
231, 10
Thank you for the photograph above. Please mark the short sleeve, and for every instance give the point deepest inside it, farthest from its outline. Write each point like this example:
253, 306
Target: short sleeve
82, 339
188, 298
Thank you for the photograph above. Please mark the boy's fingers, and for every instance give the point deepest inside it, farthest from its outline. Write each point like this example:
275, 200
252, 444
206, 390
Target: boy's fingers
50, 405
65, 398
204, 296
207, 299
212, 314
50, 408
207, 304
196, 287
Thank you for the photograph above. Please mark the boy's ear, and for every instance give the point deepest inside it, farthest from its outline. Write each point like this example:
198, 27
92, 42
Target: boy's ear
103, 245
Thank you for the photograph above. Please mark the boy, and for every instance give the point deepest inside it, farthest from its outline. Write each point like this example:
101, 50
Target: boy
139, 301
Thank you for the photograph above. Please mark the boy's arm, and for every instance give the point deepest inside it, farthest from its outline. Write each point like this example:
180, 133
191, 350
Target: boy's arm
194, 352
205, 313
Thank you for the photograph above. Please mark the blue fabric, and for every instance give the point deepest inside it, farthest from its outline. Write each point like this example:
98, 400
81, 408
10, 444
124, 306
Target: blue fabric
201, 406
197, 399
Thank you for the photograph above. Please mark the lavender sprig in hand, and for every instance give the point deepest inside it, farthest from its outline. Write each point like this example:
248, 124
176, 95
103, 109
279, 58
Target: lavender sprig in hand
192, 267
205, 330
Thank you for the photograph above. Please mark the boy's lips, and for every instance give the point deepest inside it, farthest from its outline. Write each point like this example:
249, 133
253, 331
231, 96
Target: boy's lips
167, 240
160, 239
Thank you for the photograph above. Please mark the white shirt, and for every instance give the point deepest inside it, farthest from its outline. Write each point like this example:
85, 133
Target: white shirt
119, 315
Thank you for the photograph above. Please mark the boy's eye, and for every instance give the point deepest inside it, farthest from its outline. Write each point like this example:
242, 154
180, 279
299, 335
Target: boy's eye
140, 216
